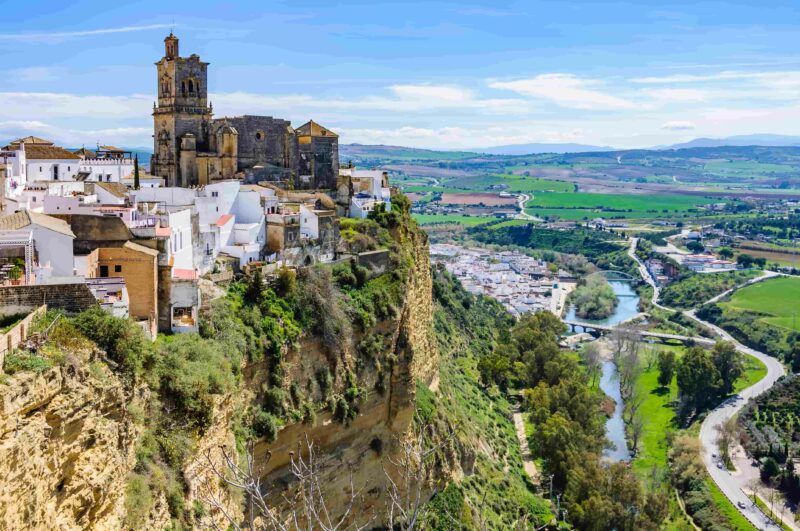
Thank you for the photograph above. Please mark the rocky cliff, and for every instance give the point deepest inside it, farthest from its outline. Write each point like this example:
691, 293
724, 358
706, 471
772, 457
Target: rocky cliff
71, 435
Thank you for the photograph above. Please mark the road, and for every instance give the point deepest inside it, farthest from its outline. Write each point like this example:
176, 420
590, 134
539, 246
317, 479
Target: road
521, 200
731, 485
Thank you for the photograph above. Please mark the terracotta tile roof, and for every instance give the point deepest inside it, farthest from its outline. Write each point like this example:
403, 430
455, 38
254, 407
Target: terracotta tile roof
29, 140
312, 128
85, 153
223, 219
140, 248
111, 148
115, 189
40, 152
23, 218
184, 274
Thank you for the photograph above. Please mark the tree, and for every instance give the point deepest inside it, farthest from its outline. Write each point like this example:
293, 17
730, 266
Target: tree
306, 504
254, 292
637, 425
695, 246
698, 379
769, 469
726, 437
591, 358
745, 260
136, 172
666, 367
728, 363
725, 253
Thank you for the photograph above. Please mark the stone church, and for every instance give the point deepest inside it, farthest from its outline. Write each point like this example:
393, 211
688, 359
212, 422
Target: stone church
192, 148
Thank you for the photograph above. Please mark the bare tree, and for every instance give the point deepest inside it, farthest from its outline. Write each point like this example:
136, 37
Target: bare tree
306, 508
637, 428
591, 357
726, 437
409, 477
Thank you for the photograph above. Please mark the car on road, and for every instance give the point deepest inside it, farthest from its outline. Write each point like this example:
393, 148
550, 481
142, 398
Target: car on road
742, 505
720, 465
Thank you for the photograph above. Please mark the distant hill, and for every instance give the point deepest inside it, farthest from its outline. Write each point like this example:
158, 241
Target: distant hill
359, 152
738, 140
535, 149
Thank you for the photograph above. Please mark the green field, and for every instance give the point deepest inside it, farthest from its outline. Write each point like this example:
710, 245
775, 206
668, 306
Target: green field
429, 219
621, 202
658, 411
778, 298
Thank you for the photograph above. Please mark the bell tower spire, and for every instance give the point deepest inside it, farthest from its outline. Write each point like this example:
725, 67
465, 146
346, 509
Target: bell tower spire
171, 46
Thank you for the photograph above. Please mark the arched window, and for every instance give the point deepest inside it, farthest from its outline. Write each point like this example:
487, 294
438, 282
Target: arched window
191, 87
183, 87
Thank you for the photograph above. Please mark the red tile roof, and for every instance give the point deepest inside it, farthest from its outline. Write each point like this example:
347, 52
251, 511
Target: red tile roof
223, 219
184, 274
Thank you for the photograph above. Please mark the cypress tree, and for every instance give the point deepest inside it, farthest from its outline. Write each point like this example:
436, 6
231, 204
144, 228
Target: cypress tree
136, 172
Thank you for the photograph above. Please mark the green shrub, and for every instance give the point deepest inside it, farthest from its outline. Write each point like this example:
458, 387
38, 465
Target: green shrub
191, 371
138, 501
274, 401
122, 339
265, 425
20, 361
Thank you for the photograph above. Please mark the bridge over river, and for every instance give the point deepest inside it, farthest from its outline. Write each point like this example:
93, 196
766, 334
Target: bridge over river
606, 329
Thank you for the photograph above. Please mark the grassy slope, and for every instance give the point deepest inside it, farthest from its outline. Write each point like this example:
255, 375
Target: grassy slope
777, 297
466, 326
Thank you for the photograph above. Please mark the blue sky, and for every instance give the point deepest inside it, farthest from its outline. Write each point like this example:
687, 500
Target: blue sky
427, 74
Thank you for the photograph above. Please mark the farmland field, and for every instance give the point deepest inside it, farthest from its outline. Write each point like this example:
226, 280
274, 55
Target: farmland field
778, 298
477, 198
621, 202
427, 219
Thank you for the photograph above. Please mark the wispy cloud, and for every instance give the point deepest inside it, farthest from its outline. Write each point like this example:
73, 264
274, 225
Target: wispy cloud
678, 125
62, 35
567, 90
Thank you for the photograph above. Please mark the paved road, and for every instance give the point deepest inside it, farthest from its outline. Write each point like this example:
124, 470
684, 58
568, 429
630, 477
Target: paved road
730, 484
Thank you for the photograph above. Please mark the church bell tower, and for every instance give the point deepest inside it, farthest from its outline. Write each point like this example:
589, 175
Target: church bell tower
182, 116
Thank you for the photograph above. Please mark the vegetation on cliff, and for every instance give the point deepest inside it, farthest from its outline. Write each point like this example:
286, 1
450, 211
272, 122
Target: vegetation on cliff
495, 492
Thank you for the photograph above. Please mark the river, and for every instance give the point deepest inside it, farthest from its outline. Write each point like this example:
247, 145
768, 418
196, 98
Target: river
627, 307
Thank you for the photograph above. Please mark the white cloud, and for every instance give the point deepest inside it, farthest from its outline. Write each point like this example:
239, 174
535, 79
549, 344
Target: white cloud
45, 105
566, 90
671, 95
62, 35
678, 125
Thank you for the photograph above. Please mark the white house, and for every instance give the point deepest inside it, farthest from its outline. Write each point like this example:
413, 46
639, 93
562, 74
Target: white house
50, 163
52, 240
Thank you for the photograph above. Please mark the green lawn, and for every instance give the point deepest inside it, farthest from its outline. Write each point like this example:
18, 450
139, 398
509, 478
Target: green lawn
621, 202
727, 508
659, 415
778, 298
427, 219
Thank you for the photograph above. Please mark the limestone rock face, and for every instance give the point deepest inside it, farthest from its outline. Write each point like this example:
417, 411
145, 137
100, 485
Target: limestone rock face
67, 445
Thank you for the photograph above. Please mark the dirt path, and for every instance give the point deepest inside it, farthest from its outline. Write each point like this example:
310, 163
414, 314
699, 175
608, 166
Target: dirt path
527, 460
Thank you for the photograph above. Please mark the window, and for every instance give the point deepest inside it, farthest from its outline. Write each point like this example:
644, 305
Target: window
259, 135
69, 168
117, 269
214, 194
103, 271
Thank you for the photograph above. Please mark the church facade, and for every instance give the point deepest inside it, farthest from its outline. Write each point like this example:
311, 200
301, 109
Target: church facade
190, 147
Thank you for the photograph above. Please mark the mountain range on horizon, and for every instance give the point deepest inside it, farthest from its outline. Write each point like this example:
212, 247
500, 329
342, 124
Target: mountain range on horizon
765, 139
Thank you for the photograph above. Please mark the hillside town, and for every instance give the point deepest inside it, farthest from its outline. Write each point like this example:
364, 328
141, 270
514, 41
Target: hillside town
91, 226
521, 283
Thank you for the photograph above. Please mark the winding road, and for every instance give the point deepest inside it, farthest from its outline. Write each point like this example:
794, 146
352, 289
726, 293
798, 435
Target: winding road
731, 484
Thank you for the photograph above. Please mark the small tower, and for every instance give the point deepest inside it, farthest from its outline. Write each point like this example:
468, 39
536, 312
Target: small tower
171, 46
